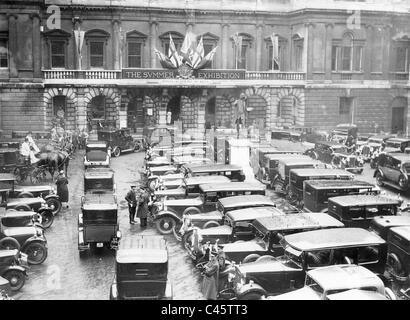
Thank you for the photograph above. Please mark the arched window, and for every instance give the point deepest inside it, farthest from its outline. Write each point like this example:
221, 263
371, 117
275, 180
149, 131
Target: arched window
97, 107
347, 53
59, 106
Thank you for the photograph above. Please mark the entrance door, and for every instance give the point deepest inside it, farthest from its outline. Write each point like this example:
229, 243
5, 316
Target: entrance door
135, 114
173, 110
397, 119
210, 113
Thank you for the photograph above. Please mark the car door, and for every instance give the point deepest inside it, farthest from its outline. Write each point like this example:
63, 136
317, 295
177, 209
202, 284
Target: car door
388, 168
394, 172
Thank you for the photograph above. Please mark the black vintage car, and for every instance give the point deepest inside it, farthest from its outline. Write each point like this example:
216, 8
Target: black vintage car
305, 251
397, 144
98, 221
97, 154
141, 270
297, 176
359, 210
119, 140
393, 169
317, 192
382, 225
269, 231
307, 134
342, 131
13, 266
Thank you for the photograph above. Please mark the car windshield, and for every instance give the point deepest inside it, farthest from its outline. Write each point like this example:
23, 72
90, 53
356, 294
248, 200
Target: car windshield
372, 289
375, 140
406, 167
309, 282
393, 144
100, 216
294, 255
99, 184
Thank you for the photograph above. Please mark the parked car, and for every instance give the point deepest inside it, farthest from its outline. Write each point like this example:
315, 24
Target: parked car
397, 144
382, 225
328, 282
119, 140
170, 212
169, 181
325, 150
342, 131
297, 176
97, 154
359, 210
141, 269
13, 267
269, 231
305, 251
12, 218
393, 169
233, 172
307, 134
317, 192
279, 133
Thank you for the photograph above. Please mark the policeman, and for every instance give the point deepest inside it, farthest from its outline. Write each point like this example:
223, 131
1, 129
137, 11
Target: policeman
131, 198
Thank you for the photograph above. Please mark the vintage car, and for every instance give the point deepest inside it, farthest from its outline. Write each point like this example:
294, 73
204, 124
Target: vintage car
307, 134
393, 169
359, 210
13, 266
233, 172
30, 239
44, 197
328, 282
305, 251
397, 144
236, 227
189, 187
269, 231
141, 269
280, 133
12, 218
342, 131
169, 181
280, 182
161, 170
317, 192
119, 140
98, 221
297, 176
170, 212
269, 170
382, 225
97, 154
325, 150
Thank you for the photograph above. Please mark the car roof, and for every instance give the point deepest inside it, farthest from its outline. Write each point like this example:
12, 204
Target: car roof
391, 221
345, 277
142, 249
234, 186
100, 206
206, 179
363, 200
296, 221
98, 174
7, 176
402, 157
8, 150
332, 238
12, 213
356, 294
397, 139
403, 232
278, 156
253, 213
334, 184
212, 167
307, 172
96, 143
239, 201
297, 161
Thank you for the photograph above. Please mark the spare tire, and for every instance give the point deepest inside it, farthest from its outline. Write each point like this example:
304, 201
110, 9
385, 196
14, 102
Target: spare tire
22, 207
251, 258
9, 243
25, 194
265, 258
211, 224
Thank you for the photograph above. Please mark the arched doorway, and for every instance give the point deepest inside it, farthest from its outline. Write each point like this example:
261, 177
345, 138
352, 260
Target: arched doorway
97, 108
174, 110
287, 110
399, 115
135, 114
257, 115
210, 114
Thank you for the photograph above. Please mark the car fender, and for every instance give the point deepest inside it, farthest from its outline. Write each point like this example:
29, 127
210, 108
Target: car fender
251, 287
114, 292
50, 196
378, 171
32, 240
17, 268
168, 213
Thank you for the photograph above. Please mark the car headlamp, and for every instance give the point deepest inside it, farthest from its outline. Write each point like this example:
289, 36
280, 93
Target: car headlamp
118, 234
39, 232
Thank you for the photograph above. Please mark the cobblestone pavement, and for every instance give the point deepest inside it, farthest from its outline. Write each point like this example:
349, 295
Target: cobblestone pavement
65, 276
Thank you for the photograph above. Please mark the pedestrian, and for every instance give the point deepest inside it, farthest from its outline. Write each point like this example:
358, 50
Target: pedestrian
62, 189
142, 206
131, 198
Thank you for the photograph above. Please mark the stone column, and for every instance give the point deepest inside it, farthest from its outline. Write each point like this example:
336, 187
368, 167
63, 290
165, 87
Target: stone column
328, 52
259, 44
309, 66
116, 36
367, 54
153, 43
13, 37
36, 46
76, 26
225, 45
386, 51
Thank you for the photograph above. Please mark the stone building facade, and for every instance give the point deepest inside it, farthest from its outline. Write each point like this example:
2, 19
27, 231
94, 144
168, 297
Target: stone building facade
348, 63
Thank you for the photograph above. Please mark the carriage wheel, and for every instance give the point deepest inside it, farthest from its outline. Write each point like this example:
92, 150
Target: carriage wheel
37, 176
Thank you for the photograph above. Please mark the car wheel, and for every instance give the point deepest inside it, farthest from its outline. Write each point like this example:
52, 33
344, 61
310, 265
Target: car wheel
251, 296
16, 278
82, 254
191, 210
37, 252
379, 179
9, 243
22, 207
403, 182
251, 258
137, 147
211, 224
152, 184
54, 204
116, 151
395, 266
47, 219
165, 225
265, 258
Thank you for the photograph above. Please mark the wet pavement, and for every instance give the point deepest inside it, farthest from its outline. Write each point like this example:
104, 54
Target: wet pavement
65, 276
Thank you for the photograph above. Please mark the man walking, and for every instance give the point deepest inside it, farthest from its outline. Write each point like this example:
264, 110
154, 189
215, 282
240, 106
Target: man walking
131, 198
142, 208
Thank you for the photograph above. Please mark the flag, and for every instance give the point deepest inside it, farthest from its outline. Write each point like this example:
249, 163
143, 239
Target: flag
173, 55
238, 48
206, 61
188, 46
198, 54
165, 62
275, 51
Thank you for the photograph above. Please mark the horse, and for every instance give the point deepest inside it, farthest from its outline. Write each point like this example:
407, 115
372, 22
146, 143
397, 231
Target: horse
55, 157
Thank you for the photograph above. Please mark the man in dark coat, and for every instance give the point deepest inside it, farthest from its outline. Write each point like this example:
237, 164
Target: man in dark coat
62, 189
131, 198
142, 207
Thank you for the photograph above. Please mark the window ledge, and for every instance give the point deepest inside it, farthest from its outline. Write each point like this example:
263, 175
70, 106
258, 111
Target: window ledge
347, 72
